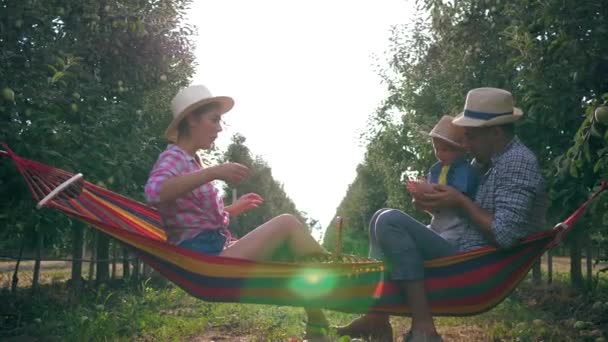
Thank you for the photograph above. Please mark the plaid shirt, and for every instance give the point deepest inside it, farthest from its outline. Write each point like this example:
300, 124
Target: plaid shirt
513, 191
187, 216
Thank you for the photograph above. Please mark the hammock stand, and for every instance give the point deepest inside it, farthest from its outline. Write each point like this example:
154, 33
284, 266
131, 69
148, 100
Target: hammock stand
465, 284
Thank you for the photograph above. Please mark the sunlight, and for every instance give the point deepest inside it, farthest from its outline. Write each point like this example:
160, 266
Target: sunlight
313, 283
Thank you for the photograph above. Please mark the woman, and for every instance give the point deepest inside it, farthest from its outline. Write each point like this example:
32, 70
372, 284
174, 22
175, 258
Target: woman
193, 213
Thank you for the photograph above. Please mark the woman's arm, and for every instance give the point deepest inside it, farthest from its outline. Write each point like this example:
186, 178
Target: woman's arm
244, 203
175, 187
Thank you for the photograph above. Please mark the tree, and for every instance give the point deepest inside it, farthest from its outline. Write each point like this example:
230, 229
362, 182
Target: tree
551, 55
86, 87
260, 181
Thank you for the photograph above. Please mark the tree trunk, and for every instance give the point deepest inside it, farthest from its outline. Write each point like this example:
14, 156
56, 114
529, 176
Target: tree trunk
550, 266
15, 281
589, 259
114, 256
125, 264
136, 270
93, 256
536, 274
103, 269
39, 246
576, 276
77, 250
146, 270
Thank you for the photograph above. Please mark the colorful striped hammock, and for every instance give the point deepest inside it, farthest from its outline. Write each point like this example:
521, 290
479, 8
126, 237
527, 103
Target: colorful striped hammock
465, 284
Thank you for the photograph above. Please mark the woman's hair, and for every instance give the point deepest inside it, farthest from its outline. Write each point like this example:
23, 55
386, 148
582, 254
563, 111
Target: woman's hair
183, 129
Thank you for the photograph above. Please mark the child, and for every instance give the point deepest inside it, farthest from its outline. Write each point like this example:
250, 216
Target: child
451, 169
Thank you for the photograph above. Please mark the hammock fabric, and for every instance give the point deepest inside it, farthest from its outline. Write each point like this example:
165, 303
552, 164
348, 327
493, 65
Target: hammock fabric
464, 284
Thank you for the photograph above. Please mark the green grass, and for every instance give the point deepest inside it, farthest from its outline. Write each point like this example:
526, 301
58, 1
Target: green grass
144, 312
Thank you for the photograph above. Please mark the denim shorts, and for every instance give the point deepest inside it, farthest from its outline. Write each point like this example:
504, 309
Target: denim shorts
209, 242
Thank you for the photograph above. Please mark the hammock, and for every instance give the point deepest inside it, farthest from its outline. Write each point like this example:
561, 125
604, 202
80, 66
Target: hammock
464, 284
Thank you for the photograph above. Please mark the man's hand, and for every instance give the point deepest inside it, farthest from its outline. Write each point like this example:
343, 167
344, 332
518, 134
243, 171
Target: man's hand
443, 196
244, 203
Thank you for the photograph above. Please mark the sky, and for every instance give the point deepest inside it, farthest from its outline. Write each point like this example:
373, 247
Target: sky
304, 79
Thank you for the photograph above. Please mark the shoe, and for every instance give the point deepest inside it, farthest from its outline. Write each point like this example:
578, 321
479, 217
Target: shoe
418, 336
365, 328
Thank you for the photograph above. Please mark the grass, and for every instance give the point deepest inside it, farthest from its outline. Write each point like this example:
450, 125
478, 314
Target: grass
148, 311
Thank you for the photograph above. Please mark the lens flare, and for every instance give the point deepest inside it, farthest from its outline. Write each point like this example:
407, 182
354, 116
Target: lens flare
313, 283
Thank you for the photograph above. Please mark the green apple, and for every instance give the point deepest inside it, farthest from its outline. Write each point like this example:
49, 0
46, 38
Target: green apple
580, 325
601, 115
8, 94
74, 107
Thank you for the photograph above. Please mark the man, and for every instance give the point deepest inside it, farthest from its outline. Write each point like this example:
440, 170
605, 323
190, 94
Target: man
510, 204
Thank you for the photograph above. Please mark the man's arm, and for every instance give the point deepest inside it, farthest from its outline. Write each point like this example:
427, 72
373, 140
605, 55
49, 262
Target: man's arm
518, 181
446, 196
480, 217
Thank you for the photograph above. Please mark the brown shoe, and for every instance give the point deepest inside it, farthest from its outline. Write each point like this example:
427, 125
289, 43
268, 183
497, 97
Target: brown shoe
367, 328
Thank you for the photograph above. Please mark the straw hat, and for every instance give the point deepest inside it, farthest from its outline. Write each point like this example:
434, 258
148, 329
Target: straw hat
488, 107
188, 100
448, 132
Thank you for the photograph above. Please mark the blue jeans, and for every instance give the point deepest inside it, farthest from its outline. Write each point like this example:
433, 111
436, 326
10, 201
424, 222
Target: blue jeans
404, 244
208, 241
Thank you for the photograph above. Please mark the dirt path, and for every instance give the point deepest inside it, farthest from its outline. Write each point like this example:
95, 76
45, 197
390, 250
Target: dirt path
463, 333
6, 266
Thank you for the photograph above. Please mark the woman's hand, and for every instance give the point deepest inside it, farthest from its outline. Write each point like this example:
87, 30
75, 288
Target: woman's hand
231, 173
244, 203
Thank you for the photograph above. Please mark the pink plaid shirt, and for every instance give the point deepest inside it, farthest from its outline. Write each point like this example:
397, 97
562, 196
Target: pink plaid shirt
187, 216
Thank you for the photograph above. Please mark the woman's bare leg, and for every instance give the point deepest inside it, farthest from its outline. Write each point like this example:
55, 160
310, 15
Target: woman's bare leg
262, 242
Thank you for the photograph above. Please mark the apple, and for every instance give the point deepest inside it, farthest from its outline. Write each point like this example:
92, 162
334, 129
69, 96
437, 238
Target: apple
74, 107
601, 115
8, 94
163, 77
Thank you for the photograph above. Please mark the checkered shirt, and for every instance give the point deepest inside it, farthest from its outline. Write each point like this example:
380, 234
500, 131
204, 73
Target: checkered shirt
513, 191
187, 216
